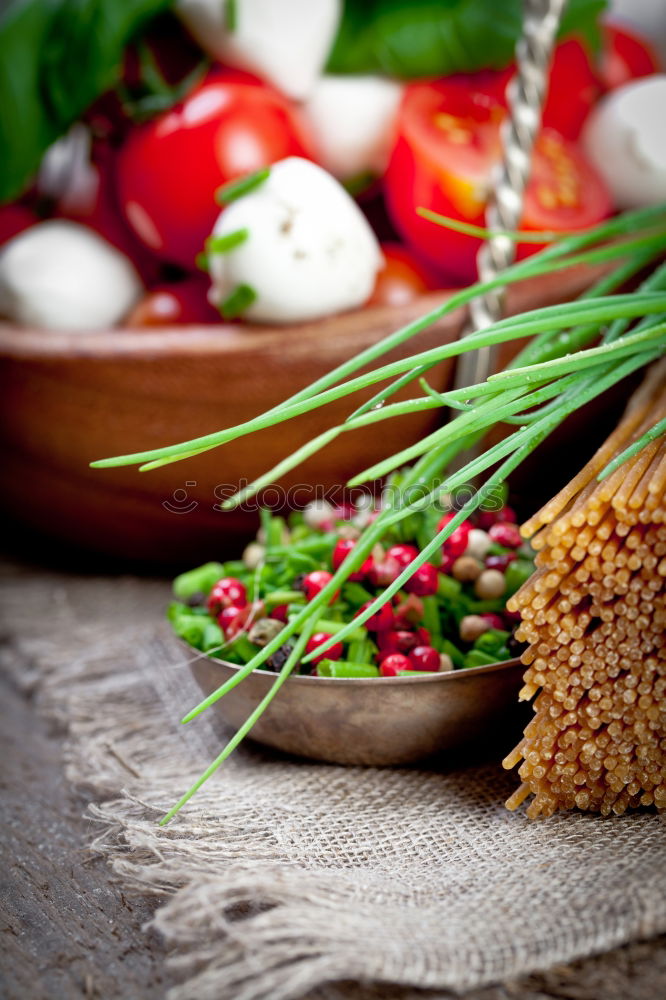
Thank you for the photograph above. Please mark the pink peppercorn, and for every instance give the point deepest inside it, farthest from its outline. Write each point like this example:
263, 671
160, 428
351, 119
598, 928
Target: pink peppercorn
381, 621
457, 541
423, 581
391, 665
424, 658
500, 562
504, 533
232, 620
486, 518
342, 549
333, 653
408, 612
403, 554
314, 583
395, 641
494, 621
447, 563
384, 573
226, 592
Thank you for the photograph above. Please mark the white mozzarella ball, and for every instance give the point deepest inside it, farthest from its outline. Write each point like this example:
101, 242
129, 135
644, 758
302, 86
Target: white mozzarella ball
625, 139
62, 276
309, 252
285, 42
353, 121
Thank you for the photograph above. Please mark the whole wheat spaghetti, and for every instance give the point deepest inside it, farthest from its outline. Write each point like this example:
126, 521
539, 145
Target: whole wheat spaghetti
594, 615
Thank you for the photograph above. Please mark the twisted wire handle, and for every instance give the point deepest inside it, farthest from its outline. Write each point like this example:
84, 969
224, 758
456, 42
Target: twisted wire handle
525, 96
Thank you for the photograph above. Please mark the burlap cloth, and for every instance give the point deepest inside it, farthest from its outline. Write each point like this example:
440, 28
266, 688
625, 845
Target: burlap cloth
283, 877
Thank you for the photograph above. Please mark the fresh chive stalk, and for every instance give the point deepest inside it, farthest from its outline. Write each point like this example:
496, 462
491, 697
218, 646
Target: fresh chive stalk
542, 387
569, 252
651, 435
238, 737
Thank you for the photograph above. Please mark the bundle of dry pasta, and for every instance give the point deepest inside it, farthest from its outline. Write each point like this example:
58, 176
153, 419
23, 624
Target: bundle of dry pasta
594, 615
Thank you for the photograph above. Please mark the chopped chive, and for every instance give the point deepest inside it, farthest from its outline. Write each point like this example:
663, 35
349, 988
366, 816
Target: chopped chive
236, 189
223, 244
201, 260
230, 15
240, 299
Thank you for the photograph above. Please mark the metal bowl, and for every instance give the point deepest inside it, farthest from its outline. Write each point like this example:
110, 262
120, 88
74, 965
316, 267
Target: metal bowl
370, 721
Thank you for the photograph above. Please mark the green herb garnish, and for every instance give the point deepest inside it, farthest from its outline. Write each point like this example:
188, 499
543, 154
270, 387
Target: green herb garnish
223, 244
237, 302
236, 189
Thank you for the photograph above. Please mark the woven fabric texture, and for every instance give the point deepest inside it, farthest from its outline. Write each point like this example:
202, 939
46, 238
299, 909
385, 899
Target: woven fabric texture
284, 876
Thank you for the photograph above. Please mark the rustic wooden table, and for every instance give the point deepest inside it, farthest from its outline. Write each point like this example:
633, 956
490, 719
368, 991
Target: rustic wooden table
70, 931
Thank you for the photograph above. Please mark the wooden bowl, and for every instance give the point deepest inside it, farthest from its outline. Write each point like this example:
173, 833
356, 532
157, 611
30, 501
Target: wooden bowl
371, 721
67, 399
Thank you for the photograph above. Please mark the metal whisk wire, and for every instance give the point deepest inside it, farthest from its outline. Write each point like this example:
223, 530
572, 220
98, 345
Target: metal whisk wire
525, 97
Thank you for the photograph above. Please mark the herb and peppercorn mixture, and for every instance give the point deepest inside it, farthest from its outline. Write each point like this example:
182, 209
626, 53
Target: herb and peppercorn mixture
451, 614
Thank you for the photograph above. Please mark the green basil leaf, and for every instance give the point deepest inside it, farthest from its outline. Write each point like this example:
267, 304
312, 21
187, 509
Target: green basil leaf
428, 38
56, 58
581, 17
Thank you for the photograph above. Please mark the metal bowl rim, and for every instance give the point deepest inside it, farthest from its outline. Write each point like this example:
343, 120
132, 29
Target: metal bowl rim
430, 678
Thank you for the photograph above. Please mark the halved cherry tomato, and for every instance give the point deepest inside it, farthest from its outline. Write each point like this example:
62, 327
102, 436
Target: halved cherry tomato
182, 302
573, 89
448, 142
625, 56
170, 168
402, 279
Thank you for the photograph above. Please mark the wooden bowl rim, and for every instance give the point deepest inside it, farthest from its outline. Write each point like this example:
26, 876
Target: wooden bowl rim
214, 338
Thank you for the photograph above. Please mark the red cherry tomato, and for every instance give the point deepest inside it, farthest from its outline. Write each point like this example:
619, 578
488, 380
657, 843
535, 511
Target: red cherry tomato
573, 88
183, 302
448, 142
625, 56
402, 279
13, 220
170, 168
